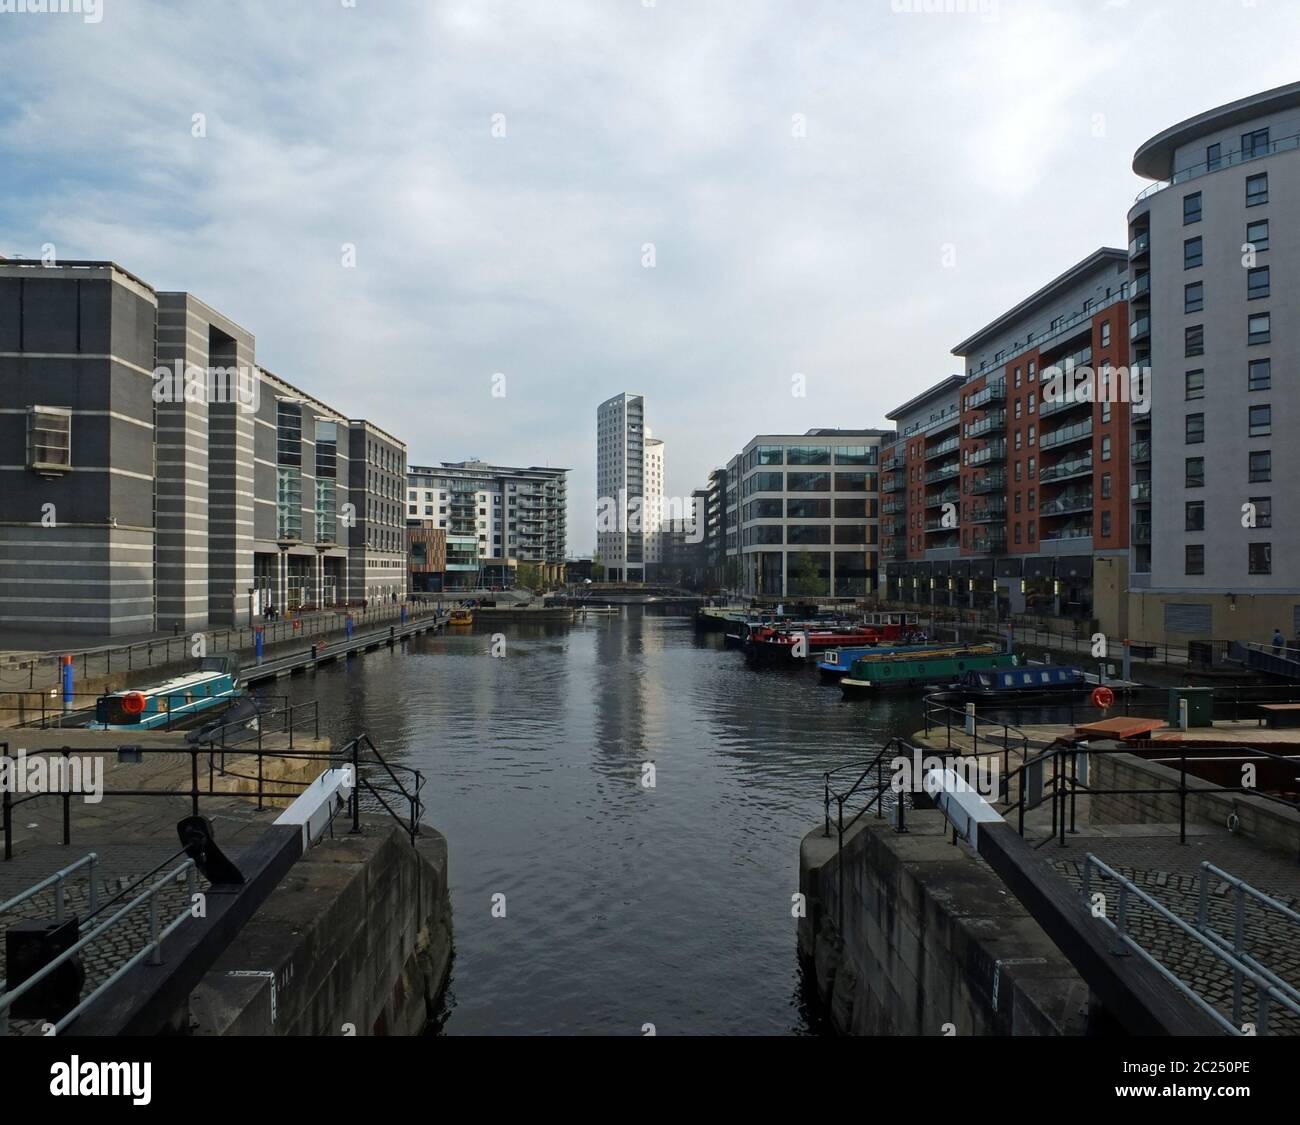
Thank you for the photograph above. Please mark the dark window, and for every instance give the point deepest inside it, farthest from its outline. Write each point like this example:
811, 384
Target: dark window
1194, 340
1105, 524
1194, 384
1257, 234
1256, 189
1259, 374
1257, 283
1254, 143
1263, 510
1261, 421
1193, 253
1194, 297
1260, 557
1261, 466
1194, 558
1213, 157
1194, 515
1194, 473
1192, 208
1105, 486
1258, 329
1194, 429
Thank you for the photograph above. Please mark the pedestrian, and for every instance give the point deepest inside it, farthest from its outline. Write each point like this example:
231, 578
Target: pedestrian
1279, 642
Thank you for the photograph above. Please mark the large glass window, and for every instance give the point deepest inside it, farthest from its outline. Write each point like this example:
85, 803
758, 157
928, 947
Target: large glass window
808, 533
1257, 283
288, 503
1259, 329
1194, 384
1193, 252
1194, 429
1194, 297
766, 482
809, 482
1194, 472
288, 433
1260, 420
808, 455
1260, 558
49, 439
763, 510
1192, 208
850, 509
1256, 189
1261, 466
1194, 558
1259, 374
852, 482
808, 509
1194, 515
771, 454
855, 454
1194, 340
1257, 234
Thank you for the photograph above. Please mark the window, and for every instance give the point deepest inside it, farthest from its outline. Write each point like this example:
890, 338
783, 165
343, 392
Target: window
1018, 498
1194, 384
1194, 473
1257, 283
1261, 466
1192, 208
1033, 499
1256, 189
1105, 524
1194, 297
1213, 157
1194, 558
1033, 530
1193, 254
1194, 515
1194, 429
1018, 470
1105, 333
1017, 438
1257, 234
1017, 377
1032, 462
1254, 143
1105, 413
1194, 340
1261, 421
1017, 408
1017, 532
1259, 374
49, 439
1105, 448
1258, 329
1030, 439
1263, 506
1033, 403
1260, 558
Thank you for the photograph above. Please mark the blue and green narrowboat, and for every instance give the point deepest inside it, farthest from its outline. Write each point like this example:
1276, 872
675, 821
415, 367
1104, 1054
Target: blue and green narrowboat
173, 702
870, 675
1031, 684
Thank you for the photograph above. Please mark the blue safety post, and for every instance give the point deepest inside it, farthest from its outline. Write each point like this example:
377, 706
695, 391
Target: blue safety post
403, 615
257, 641
67, 683
347, 626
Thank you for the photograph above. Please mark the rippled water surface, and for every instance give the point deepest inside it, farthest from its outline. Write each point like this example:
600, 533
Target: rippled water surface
625, 905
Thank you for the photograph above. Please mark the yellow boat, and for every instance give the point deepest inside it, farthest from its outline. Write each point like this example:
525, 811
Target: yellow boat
461, 617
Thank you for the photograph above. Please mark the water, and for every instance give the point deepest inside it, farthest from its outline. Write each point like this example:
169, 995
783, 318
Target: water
625, 905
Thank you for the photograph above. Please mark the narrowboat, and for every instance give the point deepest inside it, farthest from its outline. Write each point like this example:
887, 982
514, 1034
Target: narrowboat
1032, 684
461, 616
836, 663
891, 673
781, 643
173, 702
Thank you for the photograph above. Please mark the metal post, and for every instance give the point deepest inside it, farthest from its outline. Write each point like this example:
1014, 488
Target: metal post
194, 780
356, 785
67, 800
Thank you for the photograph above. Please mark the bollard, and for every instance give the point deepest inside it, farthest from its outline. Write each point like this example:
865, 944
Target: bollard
68, 671
1182, 713
258, 642
403, 615
970, 719
347, 626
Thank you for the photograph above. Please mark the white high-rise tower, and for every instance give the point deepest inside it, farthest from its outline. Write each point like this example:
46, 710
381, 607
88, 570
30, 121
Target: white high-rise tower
620, 484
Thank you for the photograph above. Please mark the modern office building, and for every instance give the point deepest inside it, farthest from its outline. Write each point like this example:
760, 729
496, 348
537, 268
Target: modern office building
620, 487
166, 481
653, 514
1007, 486
495, 518
806, 513
1214, 259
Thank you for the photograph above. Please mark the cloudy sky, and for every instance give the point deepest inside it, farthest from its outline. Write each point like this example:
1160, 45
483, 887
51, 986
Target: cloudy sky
798, 166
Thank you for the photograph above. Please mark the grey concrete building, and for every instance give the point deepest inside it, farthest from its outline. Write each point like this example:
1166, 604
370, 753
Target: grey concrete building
620, 487
1214, 263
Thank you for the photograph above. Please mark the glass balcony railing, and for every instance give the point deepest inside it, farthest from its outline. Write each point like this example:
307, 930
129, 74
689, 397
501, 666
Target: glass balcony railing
894, 484
1080, 431
1141, 452
1140, 289
938, 499
1141, 492
1063, 470
1141, 534
994, 451
1139, 328
1226, 160
993, 421
943, 472
994, 392
945, 447
995, 539
893, 505
1140, 245
995, 511
1067, 504
989, 482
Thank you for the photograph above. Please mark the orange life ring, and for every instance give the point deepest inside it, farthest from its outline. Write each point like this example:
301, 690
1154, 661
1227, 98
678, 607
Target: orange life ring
1102, 697
133, 703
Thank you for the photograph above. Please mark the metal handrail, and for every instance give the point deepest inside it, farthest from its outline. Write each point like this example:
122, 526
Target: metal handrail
935, 706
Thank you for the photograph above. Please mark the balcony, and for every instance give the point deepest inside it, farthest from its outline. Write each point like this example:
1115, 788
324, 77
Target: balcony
1141, 534
1224, 160
994, 420
938, 499
896, 550
944, 472
945, 447
1068, 531
1066, 435
994, 451
1141, 452
994, 511
895, 483
895, 526
1066, 504
989, 482
893, 505
891, 464
1065, 470
994, 392
1140, 492
1053, 406
935, 523
1140, 329
1140, 290
1140, 246
990, 541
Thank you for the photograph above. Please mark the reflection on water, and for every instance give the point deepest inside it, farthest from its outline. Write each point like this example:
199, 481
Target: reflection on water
625, 905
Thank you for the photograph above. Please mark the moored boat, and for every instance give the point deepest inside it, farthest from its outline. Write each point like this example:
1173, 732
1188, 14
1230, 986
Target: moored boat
214, 685
836, 663
892, 673
1031, 684
461, 616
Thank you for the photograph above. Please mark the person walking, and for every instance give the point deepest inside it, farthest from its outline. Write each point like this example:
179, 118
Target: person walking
1279, 642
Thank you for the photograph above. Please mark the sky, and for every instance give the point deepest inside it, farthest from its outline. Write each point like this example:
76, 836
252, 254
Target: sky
695, 200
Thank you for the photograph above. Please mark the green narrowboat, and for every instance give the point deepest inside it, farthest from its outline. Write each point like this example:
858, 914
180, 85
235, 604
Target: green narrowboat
884, 673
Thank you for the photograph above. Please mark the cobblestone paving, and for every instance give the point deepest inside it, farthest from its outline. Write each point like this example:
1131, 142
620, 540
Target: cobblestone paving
1169, 872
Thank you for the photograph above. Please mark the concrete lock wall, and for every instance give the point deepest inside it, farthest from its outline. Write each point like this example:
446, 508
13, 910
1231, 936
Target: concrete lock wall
355, 940
933, 944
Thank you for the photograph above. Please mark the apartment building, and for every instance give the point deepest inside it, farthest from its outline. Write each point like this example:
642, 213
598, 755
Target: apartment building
806, 511
653, 514
620, 487
1007, 487
165, 481
495, 518
1214, 258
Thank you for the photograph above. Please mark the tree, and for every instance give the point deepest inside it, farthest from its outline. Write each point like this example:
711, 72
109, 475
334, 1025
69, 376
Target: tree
807, 579
731, 574
597, 568
529, 577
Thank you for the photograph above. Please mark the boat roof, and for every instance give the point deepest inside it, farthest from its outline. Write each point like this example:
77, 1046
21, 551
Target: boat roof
176, 683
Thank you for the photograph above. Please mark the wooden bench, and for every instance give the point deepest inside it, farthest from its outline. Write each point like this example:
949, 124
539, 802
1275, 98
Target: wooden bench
1122, 728
1281, 715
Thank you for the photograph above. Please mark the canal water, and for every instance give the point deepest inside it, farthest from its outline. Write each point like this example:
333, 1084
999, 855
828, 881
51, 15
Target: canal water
625, 905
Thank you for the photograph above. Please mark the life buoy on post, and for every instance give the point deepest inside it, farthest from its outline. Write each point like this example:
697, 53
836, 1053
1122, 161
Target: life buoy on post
133, 703
1102, 697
